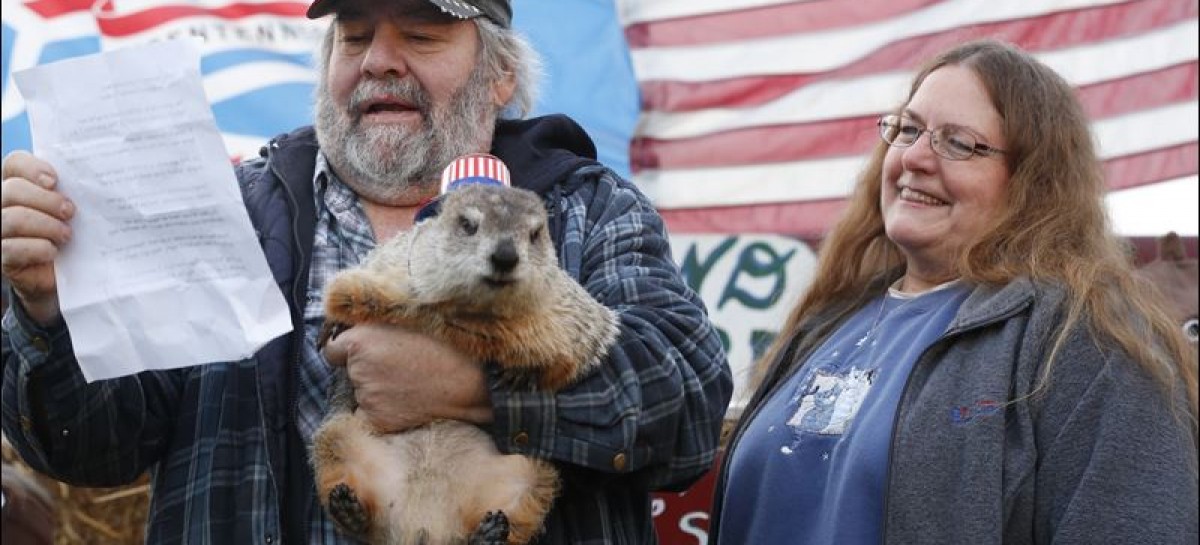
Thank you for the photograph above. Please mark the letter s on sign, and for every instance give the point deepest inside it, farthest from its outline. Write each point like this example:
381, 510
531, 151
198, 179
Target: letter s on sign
686, 525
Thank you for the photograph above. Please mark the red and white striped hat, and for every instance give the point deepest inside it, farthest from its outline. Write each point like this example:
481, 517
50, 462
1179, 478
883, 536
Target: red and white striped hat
476, 168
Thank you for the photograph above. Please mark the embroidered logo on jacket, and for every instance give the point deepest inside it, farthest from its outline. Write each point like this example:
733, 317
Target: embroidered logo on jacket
966, 413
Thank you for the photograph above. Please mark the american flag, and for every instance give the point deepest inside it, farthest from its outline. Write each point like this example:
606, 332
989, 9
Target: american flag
757, 114
476, 168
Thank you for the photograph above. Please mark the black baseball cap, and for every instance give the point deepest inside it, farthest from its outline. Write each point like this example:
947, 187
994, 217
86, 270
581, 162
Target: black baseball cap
499, 11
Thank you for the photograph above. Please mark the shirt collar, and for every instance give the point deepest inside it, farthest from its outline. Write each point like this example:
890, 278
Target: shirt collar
329, 190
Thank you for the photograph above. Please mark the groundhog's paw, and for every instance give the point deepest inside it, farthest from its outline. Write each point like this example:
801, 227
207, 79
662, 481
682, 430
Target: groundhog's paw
347, 511
492, 530
354, 297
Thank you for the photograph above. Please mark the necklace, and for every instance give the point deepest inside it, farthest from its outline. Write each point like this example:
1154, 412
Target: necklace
869, 336
893, 292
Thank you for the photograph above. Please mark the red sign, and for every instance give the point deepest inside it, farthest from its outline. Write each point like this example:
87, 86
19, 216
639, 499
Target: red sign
682, 518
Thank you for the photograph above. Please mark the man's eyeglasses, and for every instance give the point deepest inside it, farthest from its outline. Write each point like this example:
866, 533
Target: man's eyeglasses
949, 141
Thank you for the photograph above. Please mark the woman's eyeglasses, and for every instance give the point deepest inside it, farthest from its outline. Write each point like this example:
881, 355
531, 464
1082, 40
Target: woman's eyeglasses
949, 141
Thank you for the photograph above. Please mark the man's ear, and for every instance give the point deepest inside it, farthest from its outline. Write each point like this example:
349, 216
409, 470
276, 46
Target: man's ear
502, 89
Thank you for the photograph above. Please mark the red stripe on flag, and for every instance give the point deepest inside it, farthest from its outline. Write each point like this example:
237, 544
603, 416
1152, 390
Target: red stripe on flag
54, 8
766, 21
1152, 166
1044, 33
810, 219
133, 23
1169, 85
773, 144
855, 136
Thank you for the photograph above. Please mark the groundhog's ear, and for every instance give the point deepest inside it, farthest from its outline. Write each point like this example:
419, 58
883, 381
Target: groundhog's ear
502, 89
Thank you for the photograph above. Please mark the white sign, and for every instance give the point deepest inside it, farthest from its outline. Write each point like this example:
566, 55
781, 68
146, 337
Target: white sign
749, 284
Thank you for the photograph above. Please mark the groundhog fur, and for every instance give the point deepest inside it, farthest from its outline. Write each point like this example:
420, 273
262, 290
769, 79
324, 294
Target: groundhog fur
481, 276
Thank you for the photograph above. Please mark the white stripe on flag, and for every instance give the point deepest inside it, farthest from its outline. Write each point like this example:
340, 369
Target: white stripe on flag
1147, 130
812, 52
239, 79
636, 11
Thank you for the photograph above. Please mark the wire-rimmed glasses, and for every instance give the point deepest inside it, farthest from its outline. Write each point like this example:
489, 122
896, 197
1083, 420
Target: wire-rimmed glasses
950, 141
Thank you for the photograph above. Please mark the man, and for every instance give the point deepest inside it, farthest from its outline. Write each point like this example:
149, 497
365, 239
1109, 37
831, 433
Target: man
405, 86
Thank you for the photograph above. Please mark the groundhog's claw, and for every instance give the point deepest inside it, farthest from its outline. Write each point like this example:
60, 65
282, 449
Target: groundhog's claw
347, 511
329, 331
492, 530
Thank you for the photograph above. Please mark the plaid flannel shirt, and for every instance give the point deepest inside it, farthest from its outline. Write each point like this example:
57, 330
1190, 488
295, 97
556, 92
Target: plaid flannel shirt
648, 419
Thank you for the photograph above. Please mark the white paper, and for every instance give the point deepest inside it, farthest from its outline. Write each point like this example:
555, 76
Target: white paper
163, 269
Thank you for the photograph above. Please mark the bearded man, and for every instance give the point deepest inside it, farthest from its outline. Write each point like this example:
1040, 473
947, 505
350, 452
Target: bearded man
405, 87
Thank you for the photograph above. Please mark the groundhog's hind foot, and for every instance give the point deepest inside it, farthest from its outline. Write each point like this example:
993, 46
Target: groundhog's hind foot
492, 530
346, 510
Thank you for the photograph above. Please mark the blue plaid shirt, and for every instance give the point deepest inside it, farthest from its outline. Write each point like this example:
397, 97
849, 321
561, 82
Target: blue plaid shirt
212, 435
343, 238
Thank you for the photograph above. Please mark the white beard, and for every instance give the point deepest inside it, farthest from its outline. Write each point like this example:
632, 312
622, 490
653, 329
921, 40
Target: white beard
395, 164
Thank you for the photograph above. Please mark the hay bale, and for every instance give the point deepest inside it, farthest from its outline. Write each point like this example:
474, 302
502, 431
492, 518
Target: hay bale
28, 514
90, 516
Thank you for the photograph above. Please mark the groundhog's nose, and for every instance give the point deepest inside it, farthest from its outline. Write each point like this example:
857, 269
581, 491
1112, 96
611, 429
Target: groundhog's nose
504, 257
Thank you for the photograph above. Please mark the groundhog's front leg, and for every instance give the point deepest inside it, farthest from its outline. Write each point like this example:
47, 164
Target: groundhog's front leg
356, 296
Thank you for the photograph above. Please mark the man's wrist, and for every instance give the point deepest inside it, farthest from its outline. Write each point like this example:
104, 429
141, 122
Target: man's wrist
43, 313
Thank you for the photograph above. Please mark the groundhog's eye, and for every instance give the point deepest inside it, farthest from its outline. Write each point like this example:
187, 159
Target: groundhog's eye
533, 236
469, 227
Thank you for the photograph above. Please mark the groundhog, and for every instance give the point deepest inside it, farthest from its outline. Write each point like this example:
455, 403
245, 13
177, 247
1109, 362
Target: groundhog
482, 276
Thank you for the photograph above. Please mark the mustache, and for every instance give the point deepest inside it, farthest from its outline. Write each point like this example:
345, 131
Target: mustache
406, 89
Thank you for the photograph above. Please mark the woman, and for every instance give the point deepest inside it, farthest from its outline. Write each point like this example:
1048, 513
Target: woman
974, 361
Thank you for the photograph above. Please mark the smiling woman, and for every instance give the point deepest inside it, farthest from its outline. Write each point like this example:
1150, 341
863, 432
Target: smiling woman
974, 337
938, 199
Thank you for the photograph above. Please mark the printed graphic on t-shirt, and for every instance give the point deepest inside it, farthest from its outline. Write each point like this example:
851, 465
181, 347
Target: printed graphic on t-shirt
828, 405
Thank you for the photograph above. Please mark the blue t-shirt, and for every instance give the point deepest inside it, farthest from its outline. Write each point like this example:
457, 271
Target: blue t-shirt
811, 465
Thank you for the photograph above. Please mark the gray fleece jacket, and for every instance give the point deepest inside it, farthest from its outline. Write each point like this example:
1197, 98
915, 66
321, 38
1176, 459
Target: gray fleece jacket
1096, 457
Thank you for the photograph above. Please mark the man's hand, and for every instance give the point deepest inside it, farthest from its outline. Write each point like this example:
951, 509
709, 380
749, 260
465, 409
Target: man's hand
33, 227
404, 379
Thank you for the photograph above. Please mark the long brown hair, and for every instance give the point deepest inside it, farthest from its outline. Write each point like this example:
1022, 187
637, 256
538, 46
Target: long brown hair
1053, 226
